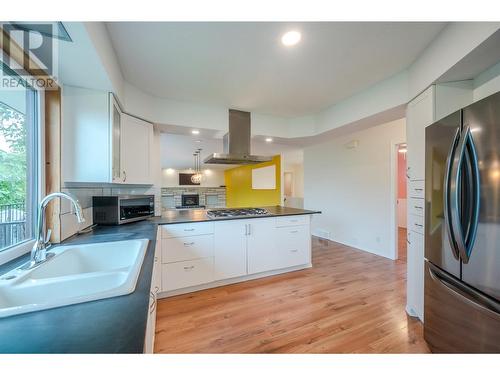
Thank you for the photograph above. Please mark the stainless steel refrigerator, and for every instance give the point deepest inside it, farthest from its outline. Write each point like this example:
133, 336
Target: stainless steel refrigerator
462, 230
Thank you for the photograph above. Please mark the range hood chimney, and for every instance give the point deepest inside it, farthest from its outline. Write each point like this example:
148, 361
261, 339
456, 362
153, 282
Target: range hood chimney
237, 142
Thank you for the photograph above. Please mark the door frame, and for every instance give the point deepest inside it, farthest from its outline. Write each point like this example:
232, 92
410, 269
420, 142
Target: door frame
393, 254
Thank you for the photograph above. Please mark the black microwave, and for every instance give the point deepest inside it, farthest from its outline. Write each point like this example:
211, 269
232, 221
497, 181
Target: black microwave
121, 209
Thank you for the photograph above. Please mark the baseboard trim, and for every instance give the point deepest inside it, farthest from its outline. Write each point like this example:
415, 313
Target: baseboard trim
234, 280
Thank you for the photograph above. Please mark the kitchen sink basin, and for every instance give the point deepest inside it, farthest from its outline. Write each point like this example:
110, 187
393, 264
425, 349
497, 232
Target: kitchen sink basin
75, 274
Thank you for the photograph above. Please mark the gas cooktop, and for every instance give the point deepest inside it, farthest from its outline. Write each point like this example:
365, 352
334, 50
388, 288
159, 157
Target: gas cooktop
237, 212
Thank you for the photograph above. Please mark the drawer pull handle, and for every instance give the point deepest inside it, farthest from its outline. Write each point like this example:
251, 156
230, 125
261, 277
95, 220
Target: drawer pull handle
294, 231
188, 244
418, 225
419, 189
294, 250
418, 207
188, 268
189, 230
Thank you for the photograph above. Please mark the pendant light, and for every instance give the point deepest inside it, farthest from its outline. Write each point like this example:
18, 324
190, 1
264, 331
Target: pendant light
197, 176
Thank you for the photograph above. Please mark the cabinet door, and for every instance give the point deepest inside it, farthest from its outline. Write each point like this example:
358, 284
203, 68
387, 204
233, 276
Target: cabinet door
156, 279
261, 246
419, 114
85, 144
230, 249
294, 246
135, 150
115, 128
149, 340
415, 280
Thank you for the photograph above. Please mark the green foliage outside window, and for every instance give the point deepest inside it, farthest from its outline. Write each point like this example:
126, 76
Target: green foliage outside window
12, 162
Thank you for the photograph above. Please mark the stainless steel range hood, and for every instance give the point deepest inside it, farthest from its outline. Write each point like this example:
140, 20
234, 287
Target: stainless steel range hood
237, 142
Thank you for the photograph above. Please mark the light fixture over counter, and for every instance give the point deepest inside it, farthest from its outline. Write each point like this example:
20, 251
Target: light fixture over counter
197, 176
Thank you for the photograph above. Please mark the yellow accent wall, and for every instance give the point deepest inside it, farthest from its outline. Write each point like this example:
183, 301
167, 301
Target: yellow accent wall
239, 192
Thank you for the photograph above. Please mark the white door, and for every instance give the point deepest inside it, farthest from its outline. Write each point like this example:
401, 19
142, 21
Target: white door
136, 136
261, 242
230, 258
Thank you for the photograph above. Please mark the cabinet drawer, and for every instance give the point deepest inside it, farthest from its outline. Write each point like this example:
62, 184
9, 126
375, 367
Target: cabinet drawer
183, 274
187, 229
416, 206
286, 221
178, 249
294, 246
416, 189
416, 223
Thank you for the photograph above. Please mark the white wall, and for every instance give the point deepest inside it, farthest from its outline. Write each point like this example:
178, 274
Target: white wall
212, 177
352, 187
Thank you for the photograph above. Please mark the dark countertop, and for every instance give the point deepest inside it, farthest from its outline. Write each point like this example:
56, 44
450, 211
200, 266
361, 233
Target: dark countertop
112, 325
198, 215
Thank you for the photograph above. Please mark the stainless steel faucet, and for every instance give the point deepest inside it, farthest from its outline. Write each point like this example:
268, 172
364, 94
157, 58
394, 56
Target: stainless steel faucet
39, 251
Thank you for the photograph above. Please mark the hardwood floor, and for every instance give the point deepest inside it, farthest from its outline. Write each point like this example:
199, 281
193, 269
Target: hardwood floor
349, 302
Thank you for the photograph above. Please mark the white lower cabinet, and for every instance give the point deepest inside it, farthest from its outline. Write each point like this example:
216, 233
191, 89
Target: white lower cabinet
179, 249
261, 242
415, 279
194, 254
294, 245
230, 249
189, 273
149, 339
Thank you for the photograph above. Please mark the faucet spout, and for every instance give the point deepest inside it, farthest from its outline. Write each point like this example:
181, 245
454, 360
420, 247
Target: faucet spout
39, 250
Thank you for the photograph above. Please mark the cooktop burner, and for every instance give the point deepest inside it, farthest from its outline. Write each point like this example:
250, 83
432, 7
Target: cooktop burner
236, 212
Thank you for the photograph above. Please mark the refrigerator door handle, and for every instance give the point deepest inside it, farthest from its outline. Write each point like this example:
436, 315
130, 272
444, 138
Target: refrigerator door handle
465, 293
474, 189
454, 197
450, 165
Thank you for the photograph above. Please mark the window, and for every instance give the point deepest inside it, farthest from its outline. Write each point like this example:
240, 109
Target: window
19, 163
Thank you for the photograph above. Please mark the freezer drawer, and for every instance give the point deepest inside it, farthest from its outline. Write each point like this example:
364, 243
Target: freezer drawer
458, 319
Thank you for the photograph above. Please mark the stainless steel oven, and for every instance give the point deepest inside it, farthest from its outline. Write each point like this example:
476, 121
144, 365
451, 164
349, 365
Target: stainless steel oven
121, 209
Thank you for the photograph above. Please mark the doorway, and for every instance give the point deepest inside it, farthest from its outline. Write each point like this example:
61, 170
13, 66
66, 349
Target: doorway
401, 206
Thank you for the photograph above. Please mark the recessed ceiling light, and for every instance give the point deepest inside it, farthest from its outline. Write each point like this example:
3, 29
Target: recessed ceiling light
291, 38
269, 139
195, 132
198, 141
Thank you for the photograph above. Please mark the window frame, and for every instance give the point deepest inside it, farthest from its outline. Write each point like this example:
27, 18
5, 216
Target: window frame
38, 177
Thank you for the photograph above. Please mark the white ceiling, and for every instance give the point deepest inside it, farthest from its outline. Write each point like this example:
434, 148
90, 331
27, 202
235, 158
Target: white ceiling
177, 151
243, 65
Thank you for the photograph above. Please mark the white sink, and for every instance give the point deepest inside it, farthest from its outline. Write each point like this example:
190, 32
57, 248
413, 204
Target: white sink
77, 273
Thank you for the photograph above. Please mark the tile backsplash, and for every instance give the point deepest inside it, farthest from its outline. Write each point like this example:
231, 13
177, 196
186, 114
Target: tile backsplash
69, 224
211, 197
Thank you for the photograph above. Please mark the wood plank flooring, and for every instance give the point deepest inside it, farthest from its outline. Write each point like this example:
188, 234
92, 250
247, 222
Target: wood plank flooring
349, 302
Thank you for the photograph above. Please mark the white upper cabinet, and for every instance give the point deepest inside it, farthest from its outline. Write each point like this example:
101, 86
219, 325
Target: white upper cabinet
100, 143
135, 144
419, 114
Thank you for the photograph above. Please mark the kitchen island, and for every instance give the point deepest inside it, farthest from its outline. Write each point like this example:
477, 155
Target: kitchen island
200, 251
